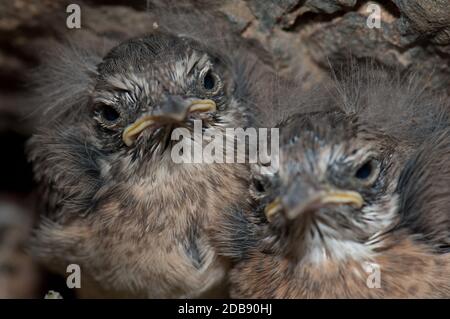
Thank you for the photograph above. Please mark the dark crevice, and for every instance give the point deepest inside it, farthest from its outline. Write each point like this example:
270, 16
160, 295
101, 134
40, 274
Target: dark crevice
309, 18
57, 283
389, 6
314, 17
15, 171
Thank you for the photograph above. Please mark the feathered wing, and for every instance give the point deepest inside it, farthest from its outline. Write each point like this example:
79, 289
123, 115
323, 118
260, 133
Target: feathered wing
239, 234
424, 186
66, 168
61, 155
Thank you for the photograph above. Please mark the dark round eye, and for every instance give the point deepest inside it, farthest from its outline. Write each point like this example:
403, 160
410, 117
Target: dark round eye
365, 171
209, 81
259, 186
109, 113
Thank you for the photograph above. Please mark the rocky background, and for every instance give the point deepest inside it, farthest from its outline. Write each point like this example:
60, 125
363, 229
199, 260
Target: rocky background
303, 36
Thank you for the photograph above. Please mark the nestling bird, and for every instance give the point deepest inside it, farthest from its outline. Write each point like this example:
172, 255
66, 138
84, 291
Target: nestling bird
360, 207
114, 201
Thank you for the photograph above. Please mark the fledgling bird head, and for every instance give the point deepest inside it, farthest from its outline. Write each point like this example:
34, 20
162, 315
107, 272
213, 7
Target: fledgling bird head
146, 87
336, 184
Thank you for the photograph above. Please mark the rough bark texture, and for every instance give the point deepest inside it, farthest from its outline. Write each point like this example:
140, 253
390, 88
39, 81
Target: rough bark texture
301, 35
304, 36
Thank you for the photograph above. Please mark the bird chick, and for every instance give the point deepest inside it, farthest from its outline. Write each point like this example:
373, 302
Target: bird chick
113, 200
360, 205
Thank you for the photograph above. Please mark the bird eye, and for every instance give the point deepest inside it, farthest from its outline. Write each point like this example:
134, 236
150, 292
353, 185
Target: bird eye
109, 113
259, 186
209, 81
364, 171
367, 171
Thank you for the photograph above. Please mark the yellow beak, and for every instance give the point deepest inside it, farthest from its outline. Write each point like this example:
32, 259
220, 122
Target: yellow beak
202, 106
342, 197
321, 200
132, 131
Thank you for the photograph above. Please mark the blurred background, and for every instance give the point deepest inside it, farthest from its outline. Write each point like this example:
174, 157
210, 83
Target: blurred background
302, 36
